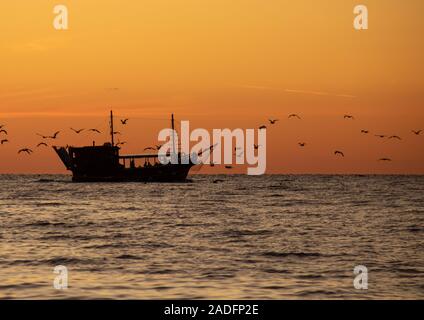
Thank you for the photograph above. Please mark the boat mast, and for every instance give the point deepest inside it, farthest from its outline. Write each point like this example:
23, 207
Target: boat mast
173, 135
111, 128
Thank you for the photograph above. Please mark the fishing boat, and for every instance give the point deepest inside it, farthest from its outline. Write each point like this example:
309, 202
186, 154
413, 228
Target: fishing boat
104, 163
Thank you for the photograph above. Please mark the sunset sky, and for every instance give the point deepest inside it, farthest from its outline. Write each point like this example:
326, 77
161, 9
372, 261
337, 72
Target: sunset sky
217, 63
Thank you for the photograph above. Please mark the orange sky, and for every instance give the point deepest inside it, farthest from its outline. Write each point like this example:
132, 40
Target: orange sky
218, 64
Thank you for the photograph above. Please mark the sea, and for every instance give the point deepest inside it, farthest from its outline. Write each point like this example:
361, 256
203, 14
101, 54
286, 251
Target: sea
213, 237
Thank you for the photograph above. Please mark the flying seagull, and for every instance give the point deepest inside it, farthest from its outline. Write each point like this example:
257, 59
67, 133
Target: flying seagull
124, 121
339, 153
42, 136
348, 116
302, 144
94, 130
77, 131
294, 116
395, 137
210, 149
380, 135
273, 121
42, 144
4, 141
385, 159
365, 131
149, 148
417, 132
54, 136
120, 143
27, 150
3, 131
116, 132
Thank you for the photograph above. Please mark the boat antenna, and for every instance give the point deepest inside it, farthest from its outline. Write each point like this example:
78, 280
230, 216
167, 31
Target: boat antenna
173, 135
111, 128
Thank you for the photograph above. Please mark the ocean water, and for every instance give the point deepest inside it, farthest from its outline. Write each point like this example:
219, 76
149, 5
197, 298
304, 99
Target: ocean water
242, 237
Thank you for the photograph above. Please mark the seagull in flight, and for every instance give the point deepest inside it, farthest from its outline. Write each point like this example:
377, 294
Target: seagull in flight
77, 131
149, 148
116, 132
27, 150
339, 153
365, 131
121, 143
302, 144
348, 116
294, 116
124, 121
380, 135
385, 159
273, 121
42, 136
54, 136
94, 130
3, 131
395, 137
42, 144
417, 132
4, 141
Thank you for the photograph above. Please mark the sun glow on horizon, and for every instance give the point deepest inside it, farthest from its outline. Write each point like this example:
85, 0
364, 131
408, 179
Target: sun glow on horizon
219, 64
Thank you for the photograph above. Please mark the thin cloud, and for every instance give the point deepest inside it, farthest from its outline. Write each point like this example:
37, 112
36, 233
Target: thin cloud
297, 91
256, 87
23, 93
37, 45
320, 93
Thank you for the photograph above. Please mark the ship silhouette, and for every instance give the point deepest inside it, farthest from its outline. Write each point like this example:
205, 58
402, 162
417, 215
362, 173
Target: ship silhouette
103, 163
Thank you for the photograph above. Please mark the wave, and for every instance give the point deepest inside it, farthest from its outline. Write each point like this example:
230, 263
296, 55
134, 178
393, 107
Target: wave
241, 233
46, 180
128, 257
291, 254
45, 224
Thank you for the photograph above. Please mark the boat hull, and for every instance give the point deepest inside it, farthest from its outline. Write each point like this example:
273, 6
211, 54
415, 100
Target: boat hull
160, 173
102, 164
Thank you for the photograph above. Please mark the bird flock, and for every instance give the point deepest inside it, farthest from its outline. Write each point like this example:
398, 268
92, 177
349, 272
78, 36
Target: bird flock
46, 138
340, 153
4, 137
55, 135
